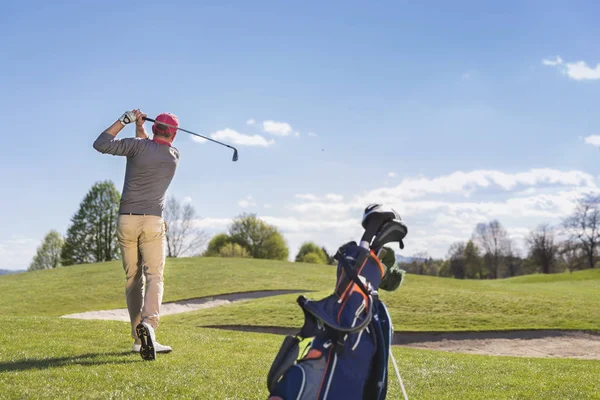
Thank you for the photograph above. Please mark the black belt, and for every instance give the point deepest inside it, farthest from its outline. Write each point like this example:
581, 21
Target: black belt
132, 214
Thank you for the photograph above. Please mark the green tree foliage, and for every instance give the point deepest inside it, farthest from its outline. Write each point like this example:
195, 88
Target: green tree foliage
48, 253
474, 268
311, 253
456, 256
92, 234
262, 240
233, 250
313, 258
216, 244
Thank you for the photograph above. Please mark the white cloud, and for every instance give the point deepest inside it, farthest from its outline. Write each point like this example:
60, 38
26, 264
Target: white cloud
594, 140
392, 174
16, 253
277, 128
307, 196
445, 209
187, 199
231, 136
556, 61
578, 70
581, 71
250, 122
296, 134
312, 134
246, 202
334, 197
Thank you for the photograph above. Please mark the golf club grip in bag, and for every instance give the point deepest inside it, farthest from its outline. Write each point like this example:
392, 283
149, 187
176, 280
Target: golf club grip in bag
351, 333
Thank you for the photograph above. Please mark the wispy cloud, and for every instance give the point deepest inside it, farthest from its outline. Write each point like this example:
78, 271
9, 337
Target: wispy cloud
246, 202
307, 196
250, 122
552, 63
312, 134
392, 174
17, 252
594, 140
240, 139
277, 128
444, 209
578, 70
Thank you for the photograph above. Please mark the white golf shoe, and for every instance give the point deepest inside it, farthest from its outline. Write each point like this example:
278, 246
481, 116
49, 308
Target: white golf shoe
148, 346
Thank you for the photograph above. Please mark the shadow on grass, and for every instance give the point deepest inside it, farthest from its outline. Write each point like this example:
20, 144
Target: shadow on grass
83, 360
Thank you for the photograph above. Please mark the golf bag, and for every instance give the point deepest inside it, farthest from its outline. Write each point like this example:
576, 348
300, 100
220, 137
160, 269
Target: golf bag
351, 331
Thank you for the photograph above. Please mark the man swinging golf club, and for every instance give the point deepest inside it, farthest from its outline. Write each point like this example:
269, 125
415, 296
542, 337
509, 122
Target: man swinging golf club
141, 229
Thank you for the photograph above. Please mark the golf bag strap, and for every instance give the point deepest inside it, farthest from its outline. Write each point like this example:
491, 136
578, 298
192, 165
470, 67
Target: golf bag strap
351, 272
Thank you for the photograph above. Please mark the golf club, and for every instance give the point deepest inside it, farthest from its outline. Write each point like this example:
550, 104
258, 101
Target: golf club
235, 152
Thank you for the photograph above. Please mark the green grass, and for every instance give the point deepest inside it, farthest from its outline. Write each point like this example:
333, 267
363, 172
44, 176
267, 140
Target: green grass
42, 356
45, 357
558, 301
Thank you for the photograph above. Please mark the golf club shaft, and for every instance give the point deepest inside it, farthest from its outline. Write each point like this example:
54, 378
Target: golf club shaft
190, 132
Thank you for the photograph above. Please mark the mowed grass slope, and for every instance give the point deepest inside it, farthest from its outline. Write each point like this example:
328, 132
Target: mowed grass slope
42, 356
565, 301
49, 357
558, 301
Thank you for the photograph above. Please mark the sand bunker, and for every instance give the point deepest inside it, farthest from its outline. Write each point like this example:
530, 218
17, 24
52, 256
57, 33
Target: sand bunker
182, 306
539, 343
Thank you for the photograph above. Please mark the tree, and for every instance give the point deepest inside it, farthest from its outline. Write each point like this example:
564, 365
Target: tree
583, 226
571, 255
542, 249
514, 263
216, 244
182, 236
262, 240
456, 256
493, 239
313, 258
329, 257
317, 255
233, 250
92, 234
48, 253
473, 261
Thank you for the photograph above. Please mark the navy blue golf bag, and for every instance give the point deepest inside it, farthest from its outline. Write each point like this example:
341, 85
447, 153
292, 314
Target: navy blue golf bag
351, 331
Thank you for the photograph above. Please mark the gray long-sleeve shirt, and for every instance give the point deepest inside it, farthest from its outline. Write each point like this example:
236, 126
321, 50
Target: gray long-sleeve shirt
149, 172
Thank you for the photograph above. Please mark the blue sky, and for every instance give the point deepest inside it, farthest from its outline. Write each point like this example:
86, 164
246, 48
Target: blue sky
451, 112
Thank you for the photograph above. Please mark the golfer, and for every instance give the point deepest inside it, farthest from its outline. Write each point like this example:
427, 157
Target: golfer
141, 229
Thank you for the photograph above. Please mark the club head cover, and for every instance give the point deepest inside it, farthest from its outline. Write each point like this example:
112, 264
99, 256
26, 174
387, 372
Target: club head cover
393, 279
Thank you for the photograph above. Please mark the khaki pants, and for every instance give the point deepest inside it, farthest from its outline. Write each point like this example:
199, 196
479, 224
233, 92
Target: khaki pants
142, 241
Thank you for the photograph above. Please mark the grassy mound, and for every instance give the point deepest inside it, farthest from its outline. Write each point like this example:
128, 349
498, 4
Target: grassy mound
423, 303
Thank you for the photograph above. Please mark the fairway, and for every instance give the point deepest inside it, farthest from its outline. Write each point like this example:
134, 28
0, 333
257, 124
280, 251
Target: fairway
91, 359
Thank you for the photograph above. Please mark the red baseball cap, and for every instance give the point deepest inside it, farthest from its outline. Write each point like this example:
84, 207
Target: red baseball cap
169, 119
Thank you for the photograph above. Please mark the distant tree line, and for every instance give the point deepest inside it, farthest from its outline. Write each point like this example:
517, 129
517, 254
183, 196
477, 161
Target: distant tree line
490, 252
91, 235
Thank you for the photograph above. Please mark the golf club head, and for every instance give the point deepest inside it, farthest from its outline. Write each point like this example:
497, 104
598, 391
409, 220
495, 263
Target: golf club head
235, 155
374, 216
392, 231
